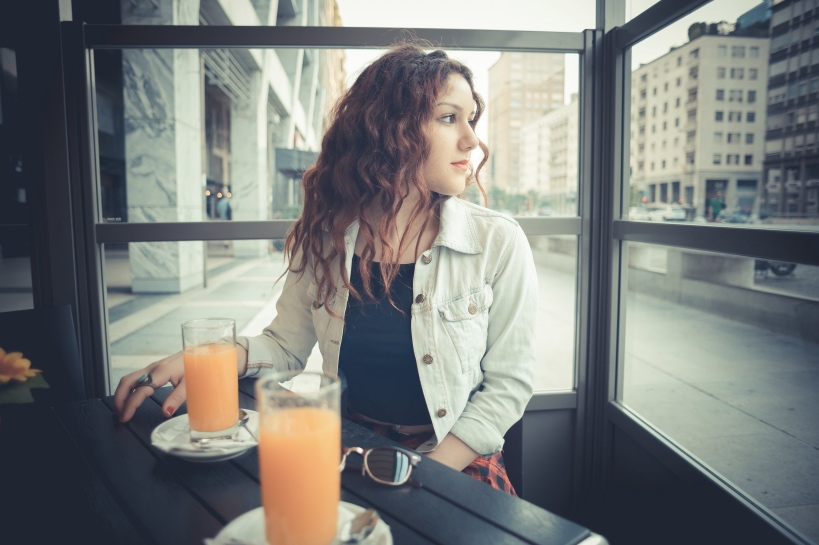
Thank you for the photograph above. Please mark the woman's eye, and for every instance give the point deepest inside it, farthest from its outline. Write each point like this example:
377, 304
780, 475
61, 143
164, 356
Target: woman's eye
449, 118
472, 122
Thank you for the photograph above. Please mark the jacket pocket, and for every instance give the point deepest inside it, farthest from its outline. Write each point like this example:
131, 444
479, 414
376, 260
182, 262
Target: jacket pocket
466, 319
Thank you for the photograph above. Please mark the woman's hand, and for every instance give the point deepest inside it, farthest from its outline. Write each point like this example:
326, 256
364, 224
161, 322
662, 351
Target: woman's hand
170, 369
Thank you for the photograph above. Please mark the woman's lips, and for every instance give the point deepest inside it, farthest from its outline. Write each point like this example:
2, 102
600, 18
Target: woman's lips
462, 165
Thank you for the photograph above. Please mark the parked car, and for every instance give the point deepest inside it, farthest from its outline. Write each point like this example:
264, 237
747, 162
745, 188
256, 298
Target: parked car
733, 215
667, 212
638, 213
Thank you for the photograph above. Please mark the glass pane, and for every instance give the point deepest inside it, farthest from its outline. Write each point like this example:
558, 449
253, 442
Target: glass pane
146, 307
189, 135
15, 266
556, 262
721, 356
636, 7
469, 14
716, 134
197, 135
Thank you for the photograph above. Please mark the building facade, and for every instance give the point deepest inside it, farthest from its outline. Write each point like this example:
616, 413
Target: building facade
522, 86
791, 188
212, 134
698, 126
549, 160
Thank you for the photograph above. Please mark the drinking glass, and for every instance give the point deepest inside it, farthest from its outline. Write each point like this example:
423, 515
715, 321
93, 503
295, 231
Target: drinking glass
211, 378
299, 445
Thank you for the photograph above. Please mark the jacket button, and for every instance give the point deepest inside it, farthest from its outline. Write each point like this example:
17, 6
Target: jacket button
426, 259
473, 308
428, 358
420, 298
441, 413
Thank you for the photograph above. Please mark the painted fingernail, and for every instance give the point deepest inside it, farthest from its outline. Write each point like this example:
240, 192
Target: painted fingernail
170, 411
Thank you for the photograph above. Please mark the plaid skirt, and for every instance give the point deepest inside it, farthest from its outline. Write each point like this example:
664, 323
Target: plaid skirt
488, 469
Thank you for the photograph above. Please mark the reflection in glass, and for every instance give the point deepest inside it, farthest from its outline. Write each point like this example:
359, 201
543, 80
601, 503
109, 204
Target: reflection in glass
15, 263
723, 122
721, 357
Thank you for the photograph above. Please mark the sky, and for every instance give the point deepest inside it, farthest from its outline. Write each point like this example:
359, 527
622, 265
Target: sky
539, 15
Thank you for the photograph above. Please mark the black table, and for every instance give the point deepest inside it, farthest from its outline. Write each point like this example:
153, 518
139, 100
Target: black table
76, 474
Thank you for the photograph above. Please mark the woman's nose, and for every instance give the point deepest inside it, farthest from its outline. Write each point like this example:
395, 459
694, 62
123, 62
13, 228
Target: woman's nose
469, 140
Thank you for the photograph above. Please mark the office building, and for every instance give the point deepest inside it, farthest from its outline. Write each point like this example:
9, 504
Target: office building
791, 187
522, 86
698, 123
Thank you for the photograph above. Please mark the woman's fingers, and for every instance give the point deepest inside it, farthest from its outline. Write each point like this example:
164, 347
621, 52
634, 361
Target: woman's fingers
128, 395
176, 398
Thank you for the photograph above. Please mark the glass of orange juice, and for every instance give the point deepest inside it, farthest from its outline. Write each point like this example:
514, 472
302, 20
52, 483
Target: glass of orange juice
299, 455
211, 377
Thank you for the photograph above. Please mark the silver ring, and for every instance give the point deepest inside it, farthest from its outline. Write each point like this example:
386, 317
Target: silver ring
145, 380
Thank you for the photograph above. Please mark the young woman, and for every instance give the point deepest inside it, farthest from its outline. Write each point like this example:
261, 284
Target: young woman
424, 302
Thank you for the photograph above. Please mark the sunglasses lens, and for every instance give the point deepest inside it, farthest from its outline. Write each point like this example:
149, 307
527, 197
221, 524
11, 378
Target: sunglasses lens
388, 465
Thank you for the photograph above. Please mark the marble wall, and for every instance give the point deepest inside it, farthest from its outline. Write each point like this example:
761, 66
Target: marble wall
163, 150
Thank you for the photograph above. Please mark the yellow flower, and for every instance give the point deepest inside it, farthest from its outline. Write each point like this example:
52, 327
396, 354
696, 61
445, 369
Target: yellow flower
13, 366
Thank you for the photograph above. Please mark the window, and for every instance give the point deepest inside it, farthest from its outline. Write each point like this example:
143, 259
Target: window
752, 73
654, 91
679, 82
735, 95
677, 102
717, 158
665, 125
654, 111
734, 116
665, 87
750, 117
717, 138
663, 164
720, 94
731, 158
737, 73
720, 72
722, 51
749, 159
665, 107
679, 61
718, 116
753, 52
749, 138
738, 51
751, 97
676, 121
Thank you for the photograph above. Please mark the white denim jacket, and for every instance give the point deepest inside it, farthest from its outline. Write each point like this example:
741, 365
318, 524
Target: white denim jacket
473, 325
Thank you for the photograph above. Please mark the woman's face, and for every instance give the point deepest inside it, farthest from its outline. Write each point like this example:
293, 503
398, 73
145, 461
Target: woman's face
451, 138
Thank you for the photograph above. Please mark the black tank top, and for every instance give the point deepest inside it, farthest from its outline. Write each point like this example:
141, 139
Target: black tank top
376, 351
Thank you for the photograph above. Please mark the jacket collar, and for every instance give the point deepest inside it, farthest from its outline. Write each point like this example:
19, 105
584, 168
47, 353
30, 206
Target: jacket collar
457, 231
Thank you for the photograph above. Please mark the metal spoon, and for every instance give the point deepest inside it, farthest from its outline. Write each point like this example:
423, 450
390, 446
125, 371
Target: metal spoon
243, 419
359, 528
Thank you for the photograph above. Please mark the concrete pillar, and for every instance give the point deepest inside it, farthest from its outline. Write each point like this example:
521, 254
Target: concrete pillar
248, 149
163, 155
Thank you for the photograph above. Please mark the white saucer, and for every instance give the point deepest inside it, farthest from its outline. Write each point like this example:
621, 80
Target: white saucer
249, 528
173, 438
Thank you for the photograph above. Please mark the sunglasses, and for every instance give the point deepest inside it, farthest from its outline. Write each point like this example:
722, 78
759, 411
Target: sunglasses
386, 465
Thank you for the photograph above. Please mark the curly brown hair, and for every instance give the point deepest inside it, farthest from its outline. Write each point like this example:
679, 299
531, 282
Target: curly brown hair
374, 153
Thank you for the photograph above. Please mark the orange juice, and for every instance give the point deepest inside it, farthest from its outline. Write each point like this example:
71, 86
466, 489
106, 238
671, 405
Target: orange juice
299, 454
212, 384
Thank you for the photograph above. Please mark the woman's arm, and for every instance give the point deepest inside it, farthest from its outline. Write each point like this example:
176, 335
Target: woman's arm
454, 453
508, 362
